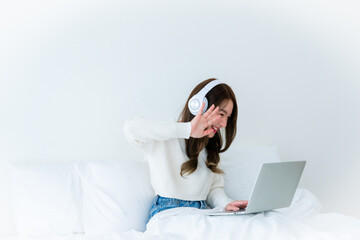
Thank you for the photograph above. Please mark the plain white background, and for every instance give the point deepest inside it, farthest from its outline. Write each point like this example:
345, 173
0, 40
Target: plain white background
71, 72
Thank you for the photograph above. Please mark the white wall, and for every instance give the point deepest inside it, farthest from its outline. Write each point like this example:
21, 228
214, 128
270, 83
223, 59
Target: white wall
72, 72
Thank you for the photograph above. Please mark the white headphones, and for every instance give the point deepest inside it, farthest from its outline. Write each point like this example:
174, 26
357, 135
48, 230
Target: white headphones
196, 101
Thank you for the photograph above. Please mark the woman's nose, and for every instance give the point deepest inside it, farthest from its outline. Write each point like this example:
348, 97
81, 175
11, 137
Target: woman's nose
223, 122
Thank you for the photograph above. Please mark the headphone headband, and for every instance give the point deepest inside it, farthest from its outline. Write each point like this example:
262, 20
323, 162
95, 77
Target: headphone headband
207, 88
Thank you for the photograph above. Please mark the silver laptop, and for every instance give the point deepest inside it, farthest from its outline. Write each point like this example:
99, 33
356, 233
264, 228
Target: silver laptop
275, 187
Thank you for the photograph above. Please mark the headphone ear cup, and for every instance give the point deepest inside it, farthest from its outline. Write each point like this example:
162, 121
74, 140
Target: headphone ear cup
197, 100
195, 104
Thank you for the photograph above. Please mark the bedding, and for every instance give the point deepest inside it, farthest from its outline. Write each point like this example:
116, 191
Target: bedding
98, 200
117, 195
46, 198
302, 220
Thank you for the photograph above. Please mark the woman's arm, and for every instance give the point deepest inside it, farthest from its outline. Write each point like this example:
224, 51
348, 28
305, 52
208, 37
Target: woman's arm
140, 131
143, 132
218, 198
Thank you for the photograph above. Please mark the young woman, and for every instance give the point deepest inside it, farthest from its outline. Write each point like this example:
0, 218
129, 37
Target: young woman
184, 156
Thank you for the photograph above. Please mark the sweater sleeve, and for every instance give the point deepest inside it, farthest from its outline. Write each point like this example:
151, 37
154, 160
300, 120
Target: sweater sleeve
217, 196
144, 132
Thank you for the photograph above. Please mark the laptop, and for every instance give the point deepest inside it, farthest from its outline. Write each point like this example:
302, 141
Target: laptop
275, 188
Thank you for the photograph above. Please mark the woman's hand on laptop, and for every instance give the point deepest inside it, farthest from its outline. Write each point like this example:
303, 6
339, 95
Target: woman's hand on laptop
236, 205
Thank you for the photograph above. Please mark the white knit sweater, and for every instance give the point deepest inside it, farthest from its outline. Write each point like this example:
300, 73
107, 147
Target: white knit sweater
163, 144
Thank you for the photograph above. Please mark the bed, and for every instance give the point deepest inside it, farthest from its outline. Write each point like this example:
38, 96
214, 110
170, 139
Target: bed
110, 199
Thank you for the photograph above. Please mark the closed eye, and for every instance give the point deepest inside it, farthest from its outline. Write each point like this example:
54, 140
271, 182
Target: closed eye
224, 113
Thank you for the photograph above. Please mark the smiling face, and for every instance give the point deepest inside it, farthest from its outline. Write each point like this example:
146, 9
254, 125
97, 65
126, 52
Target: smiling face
226, 108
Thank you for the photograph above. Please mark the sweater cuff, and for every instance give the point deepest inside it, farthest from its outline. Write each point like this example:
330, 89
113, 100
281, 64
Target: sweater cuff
218, 199
222, 204
184, 130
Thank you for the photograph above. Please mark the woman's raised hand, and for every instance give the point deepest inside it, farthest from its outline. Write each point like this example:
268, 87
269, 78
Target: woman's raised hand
201, 123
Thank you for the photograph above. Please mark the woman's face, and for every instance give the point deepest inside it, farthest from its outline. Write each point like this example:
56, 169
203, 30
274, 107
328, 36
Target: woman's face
225, 111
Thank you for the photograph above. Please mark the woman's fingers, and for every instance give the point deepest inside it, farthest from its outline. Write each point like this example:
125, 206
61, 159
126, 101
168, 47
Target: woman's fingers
214, 120
201, 124
211, 115
240, 204
201, 109
206, 114
231, 208
208, 131
236, 205
214, 113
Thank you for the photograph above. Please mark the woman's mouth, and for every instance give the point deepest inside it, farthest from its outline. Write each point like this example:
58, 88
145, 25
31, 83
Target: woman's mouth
215, 128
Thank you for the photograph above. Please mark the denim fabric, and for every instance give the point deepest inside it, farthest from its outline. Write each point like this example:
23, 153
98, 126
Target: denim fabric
162, 203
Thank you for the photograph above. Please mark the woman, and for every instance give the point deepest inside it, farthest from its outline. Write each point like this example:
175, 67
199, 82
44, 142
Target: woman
184, 156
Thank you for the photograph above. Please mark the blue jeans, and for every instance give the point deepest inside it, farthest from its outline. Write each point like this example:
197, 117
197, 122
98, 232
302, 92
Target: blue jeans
162, 203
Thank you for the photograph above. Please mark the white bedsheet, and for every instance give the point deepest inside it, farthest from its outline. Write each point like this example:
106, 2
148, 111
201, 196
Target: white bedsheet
302, 220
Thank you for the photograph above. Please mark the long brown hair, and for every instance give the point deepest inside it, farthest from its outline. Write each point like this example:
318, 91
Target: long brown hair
217, 95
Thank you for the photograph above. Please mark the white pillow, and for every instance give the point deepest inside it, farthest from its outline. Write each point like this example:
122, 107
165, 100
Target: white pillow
117, 195
46, 198
241, 166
